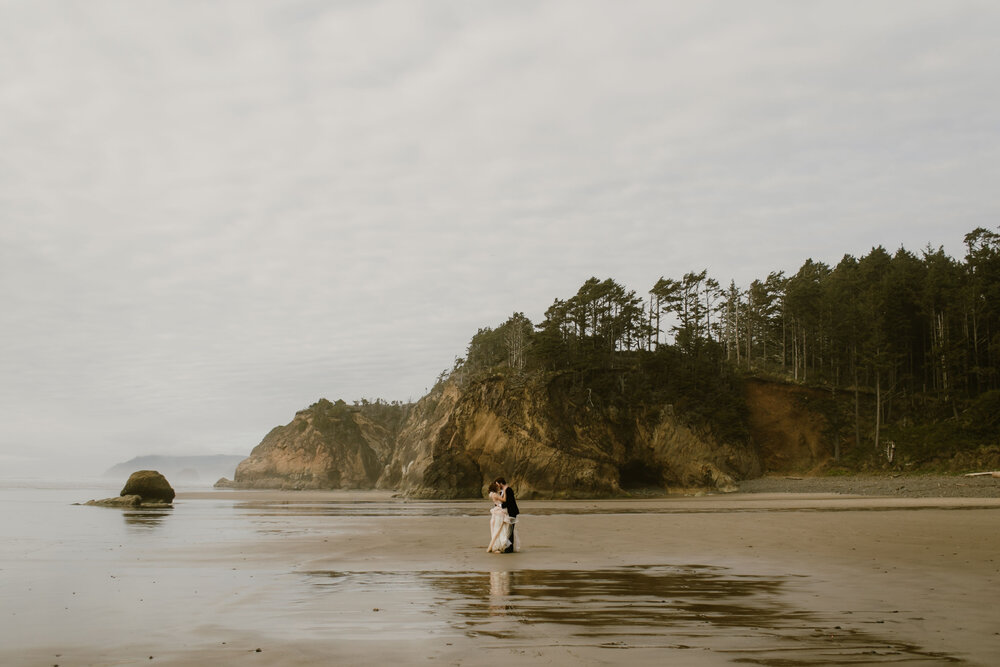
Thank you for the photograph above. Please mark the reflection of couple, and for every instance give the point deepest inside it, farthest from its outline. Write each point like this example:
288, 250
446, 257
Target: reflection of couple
503, 518
500, 593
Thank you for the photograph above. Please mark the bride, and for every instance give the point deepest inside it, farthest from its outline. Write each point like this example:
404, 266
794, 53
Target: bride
499, 522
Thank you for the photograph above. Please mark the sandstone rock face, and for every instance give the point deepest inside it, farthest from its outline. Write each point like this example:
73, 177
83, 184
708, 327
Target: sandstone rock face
548, 437
327, 446
547, 444
149, 485
117, 501
414, 452
789, 432
689, 459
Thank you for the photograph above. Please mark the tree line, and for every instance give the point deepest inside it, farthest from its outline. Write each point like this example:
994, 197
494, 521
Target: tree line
900, 327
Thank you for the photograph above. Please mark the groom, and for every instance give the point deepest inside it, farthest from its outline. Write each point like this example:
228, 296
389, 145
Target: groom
509, 504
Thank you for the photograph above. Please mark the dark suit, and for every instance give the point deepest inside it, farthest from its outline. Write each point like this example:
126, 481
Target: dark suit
510, 504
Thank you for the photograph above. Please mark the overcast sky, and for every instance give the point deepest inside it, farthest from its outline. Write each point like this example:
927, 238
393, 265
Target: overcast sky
214, 213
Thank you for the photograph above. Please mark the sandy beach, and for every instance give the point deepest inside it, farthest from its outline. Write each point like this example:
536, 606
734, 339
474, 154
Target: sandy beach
365, 578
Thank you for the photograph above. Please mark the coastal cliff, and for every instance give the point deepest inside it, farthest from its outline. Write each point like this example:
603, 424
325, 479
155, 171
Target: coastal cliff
557, 441
560, 435
557, 434
326, 446
593, 401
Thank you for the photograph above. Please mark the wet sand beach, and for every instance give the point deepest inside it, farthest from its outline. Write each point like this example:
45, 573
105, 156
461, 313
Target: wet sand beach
365, 578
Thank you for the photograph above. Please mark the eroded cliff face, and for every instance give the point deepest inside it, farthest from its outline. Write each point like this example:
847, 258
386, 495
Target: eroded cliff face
327, 446
788, 430
547, 437
413, 450
549, 442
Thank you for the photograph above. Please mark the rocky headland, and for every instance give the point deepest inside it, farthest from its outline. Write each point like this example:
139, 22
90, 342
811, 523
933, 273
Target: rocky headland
184, 470
556, 438
326, 446
572, 435
556, 441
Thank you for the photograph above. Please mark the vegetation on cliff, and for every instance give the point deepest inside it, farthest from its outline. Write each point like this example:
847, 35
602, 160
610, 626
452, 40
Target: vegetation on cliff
328, 445
883, 361
907, 347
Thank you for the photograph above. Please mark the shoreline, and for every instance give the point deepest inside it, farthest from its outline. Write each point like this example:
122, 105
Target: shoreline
365, 577
909, 485
903, 485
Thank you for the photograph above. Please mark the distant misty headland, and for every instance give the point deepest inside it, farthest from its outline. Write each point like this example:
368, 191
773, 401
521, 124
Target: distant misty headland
193, 470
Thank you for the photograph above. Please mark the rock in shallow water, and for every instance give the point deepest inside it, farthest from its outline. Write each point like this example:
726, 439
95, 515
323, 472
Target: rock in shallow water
118, 501
150, 485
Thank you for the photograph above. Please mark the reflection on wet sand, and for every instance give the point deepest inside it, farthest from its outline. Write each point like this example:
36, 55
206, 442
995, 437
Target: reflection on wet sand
740, 618
353, 508
500, 592
146, 518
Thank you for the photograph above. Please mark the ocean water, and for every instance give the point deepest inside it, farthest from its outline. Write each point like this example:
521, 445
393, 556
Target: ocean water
101, 585
96, 585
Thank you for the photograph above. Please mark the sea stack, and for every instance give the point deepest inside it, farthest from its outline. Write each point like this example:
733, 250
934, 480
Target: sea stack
150, 485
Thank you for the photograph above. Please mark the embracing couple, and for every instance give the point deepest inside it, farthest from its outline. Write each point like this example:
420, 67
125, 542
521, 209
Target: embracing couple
503, 518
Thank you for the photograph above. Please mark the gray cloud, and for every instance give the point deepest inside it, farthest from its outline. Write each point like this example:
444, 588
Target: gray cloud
211, 214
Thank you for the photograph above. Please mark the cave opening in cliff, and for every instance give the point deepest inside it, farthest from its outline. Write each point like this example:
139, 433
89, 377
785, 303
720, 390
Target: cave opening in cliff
640, 475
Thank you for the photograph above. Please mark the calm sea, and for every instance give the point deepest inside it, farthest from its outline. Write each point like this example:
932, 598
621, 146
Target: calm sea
99, 585
96, 585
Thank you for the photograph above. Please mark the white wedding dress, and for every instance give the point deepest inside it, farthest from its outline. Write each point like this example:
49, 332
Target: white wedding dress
500, 528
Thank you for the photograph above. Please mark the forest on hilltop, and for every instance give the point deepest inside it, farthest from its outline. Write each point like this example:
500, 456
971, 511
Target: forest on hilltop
912, 339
